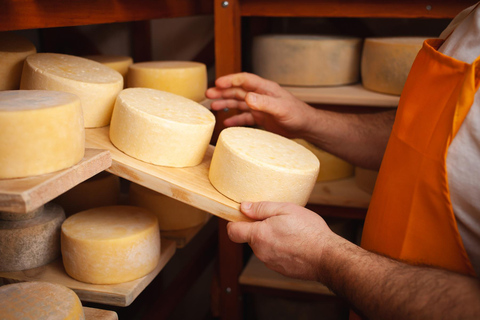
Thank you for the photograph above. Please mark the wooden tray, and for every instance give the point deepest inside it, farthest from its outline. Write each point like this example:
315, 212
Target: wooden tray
27, 194
99, 314
122, 294
342, 193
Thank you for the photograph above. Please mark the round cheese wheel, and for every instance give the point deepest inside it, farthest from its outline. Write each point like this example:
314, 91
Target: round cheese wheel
14, 49
255, 165
96, 85
41, 132
160, 127
386, 62
27, 244
185, 78
365, 179
109, 245
172, 214
331, 167
307, 60
39, 300
117, 63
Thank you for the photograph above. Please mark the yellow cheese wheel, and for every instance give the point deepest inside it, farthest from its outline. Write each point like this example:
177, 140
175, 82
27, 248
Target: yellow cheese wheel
307, 60
172, 214
111, 244
96, 85
39, 300
386, 62
41, 132
160, 127
331, 167
365, 179
117, 63
255, 165
14, 49
185, 78
31, 243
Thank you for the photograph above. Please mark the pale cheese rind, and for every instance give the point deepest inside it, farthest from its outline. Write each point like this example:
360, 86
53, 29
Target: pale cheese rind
160, 127
117, 63
255, 165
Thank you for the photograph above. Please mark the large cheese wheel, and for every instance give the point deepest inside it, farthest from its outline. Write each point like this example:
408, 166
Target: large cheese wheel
39, 300
160, 127
96, 85
331, 167
386, 62
255, 165
31, 243
307, 60
365, 179
117, 63
172, 214
185, 78
41, 132
14, 49
111, 244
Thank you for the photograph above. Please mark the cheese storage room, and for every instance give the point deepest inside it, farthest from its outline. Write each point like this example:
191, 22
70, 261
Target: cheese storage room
239, 159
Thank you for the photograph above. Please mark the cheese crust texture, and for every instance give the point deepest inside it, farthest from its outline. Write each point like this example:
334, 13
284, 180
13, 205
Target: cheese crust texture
160, 127
109, 245
96, 85
117, 63
255, 165
41, 132
307, 60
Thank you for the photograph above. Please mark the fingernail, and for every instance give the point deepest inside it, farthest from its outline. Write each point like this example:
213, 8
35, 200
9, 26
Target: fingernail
246, 205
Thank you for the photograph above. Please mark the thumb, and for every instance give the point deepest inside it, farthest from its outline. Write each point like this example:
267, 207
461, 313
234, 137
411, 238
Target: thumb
262, 210
264, 103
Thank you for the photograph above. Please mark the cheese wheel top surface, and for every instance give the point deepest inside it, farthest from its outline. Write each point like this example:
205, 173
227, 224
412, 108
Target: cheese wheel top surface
11, 42
416, 41
107, 58
19, 100
167, 65
73, 68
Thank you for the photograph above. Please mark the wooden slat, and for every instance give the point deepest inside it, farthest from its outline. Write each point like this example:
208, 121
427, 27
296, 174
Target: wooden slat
27, 194
343, 193
99, 314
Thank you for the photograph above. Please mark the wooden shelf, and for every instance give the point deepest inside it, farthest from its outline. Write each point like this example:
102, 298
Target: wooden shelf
99, 314
342, 193
122, 294
27, 194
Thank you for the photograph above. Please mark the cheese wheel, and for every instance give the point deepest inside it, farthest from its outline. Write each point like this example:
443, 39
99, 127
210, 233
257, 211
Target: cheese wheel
331, 167
386, 62
109, 245
96, 85
27, 244
172, 214
39, 300
307, 60
41, 132
255, 165
185, 78
102, 190
365, 179
14, 49
160, 127
117, 63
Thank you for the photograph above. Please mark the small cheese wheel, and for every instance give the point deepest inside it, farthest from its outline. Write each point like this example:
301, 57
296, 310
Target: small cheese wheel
109, 245
365, 179
39, 300
14, 49
41, 132
160, 127
96, 85
255, 165
307, 60
332, 167
386, 62
27, 244
172, 214
117, 63
185, 78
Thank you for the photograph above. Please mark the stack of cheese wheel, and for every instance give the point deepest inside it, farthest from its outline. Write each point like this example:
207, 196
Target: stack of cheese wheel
41, 132
117, 63
160, 127
307, 60
14, 49
184, 78
255, 165
39, 300
109, 245
386, 62
33, 242
365, 179
96, 85
332, 167
172, 214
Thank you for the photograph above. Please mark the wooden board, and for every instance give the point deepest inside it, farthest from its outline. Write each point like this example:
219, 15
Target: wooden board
189, 185
122, 294
27, 194
343, 193
99, 314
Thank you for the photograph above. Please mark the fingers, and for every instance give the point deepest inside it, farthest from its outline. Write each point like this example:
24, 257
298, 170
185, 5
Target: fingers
243, 119
247, 81
228, 93
229, 104
264, 103
265, 209
240, 232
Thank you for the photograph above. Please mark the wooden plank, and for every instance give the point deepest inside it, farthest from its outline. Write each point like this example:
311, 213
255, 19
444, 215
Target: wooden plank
189, 185
99, 314
27, 194
122, 294
343, 193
